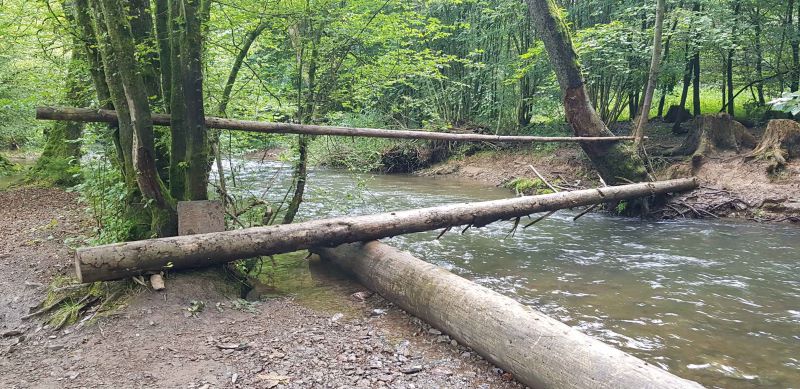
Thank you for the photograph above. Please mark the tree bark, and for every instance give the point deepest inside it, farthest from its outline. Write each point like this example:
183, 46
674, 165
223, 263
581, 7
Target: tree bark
696, 108
614, 162
669, 85
125, 259
123, 137
731, 99
108, 116
147, 179
190, 152
59, 163
795, 43
539, 351
759, 57
652, 78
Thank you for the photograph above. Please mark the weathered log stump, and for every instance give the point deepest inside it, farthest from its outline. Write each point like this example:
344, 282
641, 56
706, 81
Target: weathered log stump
712, 134
780, 143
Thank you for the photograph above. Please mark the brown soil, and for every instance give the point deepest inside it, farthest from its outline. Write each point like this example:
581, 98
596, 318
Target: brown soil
499, 168
153, 340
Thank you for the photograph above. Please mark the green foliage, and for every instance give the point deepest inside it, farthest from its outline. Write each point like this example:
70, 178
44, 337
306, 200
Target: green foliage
104, 195
55, 171
788, 102
529, 186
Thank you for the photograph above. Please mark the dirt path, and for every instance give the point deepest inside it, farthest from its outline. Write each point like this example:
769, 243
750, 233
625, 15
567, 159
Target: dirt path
154, 341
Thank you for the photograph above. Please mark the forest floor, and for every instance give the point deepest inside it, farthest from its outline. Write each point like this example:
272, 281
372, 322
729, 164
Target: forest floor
156, 339
731, 186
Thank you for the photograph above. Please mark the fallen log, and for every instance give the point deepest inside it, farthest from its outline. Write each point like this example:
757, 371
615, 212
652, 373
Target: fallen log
539, 351
109, 116
121, 260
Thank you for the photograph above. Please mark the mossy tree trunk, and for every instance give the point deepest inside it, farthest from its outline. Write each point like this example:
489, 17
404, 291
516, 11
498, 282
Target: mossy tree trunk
122, 46
616, 162
190, 150
59, 163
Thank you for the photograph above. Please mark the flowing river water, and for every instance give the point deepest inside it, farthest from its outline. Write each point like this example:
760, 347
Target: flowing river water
713, 301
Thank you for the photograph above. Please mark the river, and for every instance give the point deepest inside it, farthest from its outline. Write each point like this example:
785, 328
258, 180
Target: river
716, 301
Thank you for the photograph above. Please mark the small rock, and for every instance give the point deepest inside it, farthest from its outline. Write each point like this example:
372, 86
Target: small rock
442, 371
434, 331
412, 369
375, 364
336, 317
386, 377
377, 312
14, 332
272, 380
277, 355
234, 377
232, 346
454, 343
152, 323
73, 374
55, 347
361, 296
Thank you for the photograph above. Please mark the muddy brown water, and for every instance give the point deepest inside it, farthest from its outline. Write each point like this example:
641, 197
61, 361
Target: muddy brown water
713, 301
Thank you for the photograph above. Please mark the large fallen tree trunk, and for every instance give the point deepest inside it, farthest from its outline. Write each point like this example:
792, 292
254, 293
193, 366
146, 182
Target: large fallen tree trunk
540, 351
108, 116
132, 258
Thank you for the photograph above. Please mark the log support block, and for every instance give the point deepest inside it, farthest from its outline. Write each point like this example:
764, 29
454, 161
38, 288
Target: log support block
200, 217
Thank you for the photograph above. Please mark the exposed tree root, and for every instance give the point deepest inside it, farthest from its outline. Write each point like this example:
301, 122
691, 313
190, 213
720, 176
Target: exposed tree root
780, 143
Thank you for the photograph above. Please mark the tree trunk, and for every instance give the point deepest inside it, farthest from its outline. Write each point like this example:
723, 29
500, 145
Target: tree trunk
539, 351
125, 259
795, 42
59, 163
190, 152
687, 78
148, 181
222, 107
669, 85
759, 58
116, 93
107, 116
300, 177
696, 109
614, 162
162, 24
85, 27
652, 78
729, 68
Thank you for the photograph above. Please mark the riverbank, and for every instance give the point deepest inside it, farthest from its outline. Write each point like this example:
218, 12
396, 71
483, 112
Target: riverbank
731, 184
199, 333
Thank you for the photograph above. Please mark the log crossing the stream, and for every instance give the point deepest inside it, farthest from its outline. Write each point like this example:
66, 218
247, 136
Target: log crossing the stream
539, 351
122, 260
110, 116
